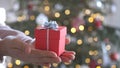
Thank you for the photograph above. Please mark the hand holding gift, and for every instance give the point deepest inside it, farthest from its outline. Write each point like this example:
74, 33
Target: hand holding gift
51, 37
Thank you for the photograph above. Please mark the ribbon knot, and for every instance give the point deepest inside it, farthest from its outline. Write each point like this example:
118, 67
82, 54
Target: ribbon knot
50, 25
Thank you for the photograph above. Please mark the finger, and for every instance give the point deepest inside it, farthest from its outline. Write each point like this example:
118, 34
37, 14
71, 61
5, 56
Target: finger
69, 56
65, 59
41, 53
69, 52
43, 60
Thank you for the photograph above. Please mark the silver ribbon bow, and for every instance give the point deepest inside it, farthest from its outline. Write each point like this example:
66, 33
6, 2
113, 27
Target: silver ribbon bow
50, 25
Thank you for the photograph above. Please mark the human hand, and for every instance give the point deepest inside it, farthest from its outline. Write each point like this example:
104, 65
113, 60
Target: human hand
14, 47
67, 56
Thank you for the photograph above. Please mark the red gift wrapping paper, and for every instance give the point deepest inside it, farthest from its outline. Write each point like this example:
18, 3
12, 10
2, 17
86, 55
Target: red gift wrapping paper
50, 39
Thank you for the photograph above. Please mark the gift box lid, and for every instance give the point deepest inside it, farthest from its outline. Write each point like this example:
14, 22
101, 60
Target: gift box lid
41, 32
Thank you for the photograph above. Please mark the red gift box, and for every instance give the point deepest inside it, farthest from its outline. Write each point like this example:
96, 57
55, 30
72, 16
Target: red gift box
50, 39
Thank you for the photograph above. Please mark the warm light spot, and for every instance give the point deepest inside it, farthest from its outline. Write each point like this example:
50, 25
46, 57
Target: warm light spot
55, 65
26, 66
99, 61
45, 67
91, 52
18, 62
81, 27
67, 12
73, 30
67, 63
79, 41
19, 19
23, 17
93, 15
32, 17
95, 52
10, 65
102, 18
77, 66
57, 14
91, 19
113, 66
87, 60
108, 47
87, 11
27, 32
47, 8
90, 39
98, 66
95, 39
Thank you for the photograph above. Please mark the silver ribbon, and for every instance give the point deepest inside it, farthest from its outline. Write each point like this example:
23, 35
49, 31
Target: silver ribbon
50, 25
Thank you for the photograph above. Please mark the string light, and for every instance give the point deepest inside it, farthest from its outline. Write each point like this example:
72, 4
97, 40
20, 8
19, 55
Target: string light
87, 12
73, 30
91, 52
57, 14
90, 39
47, 8
45, 67
19, 19
32, 17
81, 27
10, 65
99, 61
108, 47
90, 19
95, 39
113, 66
26, 66
27, 32
77, 66
87, 60
67, 63
17, 62
55, 65
67, 11
95, 52
79, 41
98, 66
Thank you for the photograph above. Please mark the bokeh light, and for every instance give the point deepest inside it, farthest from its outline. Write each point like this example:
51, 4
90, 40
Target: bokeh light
73, 30
87, 12
67, 11
17, 62
27, 32
87, 60
81, 27
26, 66
9, 65
47, 8
79, 41
90, 19
57, 14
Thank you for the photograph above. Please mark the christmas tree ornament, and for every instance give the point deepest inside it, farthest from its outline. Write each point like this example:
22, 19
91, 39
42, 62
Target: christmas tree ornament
98, 23
67, 40
114, 56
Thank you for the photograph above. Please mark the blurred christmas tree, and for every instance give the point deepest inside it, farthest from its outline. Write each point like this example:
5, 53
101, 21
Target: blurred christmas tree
95, 43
